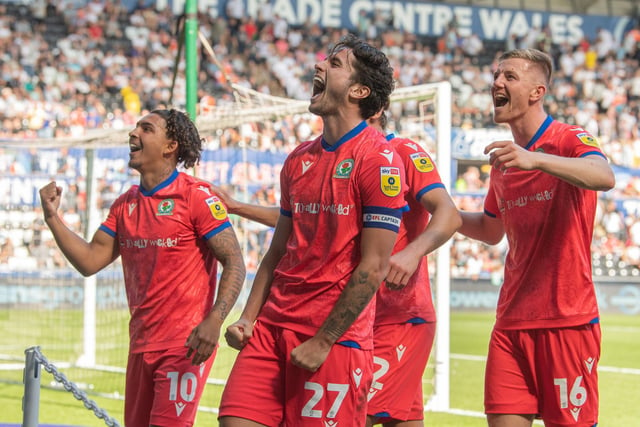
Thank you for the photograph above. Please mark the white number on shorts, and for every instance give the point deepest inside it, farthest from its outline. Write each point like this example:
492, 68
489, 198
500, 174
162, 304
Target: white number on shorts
379, 373
188, 385
318, 393
578, 393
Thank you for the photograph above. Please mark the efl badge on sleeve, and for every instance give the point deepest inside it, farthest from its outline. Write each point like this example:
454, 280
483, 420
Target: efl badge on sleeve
390, 182
587, 139
217, 208
422, 162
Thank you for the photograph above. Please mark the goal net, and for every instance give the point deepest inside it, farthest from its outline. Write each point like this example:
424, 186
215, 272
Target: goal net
81, 324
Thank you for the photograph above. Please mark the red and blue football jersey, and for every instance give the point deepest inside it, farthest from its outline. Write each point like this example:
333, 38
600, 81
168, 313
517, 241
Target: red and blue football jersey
549, 227
414, 301
169, 271
331, 193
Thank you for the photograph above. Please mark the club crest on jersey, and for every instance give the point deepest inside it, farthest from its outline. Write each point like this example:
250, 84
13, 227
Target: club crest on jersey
390, 181
587, 139
165, 207
422, 162
344, 168
217, 208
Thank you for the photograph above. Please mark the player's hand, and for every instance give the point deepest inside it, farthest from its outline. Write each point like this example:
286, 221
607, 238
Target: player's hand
402, 265
238, 333
311, 354
507, 154
50, 199
226, 198
203, 341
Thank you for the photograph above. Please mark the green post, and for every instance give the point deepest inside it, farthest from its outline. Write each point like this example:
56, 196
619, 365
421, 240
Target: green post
191, 57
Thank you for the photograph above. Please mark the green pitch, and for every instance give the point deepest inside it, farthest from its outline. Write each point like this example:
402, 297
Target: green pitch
619, 378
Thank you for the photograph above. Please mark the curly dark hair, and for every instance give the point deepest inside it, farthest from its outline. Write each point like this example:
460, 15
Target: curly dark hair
372, 69
182, 129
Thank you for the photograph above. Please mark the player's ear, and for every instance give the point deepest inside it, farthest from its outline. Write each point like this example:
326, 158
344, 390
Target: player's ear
360, 91
172, 146
538, 92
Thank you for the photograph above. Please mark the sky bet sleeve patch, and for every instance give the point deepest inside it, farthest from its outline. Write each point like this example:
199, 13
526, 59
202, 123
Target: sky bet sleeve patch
390, 181
587, 139
422, 162
217, 208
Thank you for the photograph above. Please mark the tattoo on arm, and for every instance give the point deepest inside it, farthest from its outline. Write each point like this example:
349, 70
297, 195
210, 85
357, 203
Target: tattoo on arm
355, 297
226, 249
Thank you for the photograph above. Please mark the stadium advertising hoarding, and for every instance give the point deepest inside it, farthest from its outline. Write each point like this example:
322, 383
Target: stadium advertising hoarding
431, 18
65, 290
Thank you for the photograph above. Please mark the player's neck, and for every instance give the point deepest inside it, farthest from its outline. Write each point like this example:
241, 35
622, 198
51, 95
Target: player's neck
150, 180
335, 127
526, 127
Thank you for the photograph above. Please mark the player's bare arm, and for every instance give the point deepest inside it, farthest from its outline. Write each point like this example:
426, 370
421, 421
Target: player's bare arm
480, 226
203, 339
444, 222
267, 215
590, 172
376, 245
87, 257
238, 333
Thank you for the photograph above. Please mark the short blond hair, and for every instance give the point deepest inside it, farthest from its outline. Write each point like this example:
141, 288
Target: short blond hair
535, 56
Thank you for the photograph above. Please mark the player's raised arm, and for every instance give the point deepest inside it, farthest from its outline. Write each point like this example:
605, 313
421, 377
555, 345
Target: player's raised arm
591, 172
87, 257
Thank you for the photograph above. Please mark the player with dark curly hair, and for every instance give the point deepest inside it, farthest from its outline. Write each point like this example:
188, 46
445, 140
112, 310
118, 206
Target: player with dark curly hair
307, 325
170, 232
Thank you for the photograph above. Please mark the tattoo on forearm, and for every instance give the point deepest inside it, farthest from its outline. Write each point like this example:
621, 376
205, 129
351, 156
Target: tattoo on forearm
355, 297
227, 250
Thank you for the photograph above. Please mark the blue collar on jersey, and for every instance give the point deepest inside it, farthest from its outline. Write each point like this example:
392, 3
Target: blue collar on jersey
543, 127
160, 186
390, 137
347, 136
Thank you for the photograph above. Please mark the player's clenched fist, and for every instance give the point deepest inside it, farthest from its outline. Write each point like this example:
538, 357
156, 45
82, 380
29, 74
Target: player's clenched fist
238, 333
50, 198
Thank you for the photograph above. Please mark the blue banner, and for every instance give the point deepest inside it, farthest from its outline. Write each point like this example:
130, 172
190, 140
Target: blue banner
431, 18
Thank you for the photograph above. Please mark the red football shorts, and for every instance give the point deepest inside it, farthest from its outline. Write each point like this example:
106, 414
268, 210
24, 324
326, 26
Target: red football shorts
265, 387
548, 372
163, 388
401, 352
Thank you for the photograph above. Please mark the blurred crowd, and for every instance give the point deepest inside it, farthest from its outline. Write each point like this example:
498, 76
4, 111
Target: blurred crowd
71, 67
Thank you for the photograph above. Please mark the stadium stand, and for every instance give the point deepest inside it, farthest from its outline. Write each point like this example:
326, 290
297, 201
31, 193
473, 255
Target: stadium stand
70, 67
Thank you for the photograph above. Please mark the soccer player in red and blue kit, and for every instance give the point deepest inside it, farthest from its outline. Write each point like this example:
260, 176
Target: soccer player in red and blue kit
404, 327
307, 359
545, 345
170, 231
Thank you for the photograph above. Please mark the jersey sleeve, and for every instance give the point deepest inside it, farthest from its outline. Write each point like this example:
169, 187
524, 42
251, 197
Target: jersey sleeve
581, 143
209, 214
285, 202
110, 224
491, 207
382, 188
421, 172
